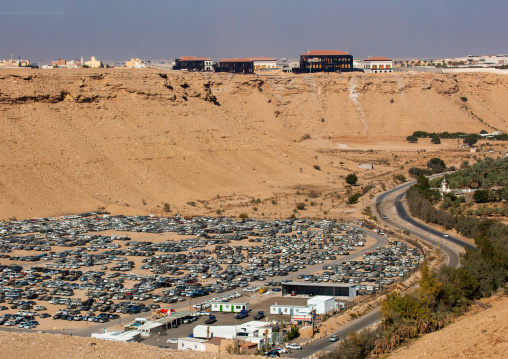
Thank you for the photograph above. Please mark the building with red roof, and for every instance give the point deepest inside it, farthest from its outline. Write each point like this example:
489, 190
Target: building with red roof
192, 63
377, 65
326, 60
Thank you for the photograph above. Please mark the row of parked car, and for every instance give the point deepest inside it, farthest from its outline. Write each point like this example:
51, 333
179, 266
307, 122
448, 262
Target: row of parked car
214, 255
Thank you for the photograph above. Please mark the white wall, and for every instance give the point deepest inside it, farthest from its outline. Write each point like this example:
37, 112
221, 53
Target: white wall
268, 65
185, 344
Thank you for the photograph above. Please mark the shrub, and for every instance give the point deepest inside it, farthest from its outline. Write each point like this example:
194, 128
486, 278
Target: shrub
354, 198
464, 99
352, 179
300, 206
167, 207
399, 178
293, 333
192, 203
316, 167
243, 215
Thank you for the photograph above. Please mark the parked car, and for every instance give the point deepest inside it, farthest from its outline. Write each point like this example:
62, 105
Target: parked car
172, 341
293, 346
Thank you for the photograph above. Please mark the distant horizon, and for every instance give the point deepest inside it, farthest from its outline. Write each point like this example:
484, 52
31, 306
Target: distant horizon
160, 29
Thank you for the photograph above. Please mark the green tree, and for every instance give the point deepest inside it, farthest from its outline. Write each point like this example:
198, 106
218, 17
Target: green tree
481, 196
470, 140
352, 179
412, 139
436, 165
436, 140
422, 182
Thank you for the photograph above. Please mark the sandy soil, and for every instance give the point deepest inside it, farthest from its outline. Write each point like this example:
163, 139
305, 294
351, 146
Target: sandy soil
130, 141
21, 345
479, 334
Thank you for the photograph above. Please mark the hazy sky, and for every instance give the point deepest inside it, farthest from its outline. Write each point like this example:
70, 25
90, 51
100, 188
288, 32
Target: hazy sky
42, 30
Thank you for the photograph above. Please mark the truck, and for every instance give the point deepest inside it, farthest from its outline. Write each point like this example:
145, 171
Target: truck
243, 314
260, 315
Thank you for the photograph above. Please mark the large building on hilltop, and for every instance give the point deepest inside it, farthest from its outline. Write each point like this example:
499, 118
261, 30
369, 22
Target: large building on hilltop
326, 60
378, 65
247, 65
191, 63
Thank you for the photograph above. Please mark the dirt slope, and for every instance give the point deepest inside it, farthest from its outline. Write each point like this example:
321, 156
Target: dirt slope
131, 140
478, 334
43, 346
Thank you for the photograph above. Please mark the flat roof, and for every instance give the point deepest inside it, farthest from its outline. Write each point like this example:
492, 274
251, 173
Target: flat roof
232, 303
325, 53
313, 284
321, 298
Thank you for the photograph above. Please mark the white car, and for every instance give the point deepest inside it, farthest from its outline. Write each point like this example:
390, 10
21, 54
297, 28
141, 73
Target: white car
294, 347
445, 235
172, 341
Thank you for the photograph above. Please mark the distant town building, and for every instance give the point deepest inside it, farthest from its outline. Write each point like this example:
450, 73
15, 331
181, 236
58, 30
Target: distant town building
14, 63
487, 60
93, 63
378, 65
59, 62
326, 60
191, 63
135, 63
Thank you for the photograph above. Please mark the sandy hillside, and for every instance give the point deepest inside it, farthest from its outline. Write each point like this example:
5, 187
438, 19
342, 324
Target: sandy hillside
43, 346
132, 140
479, 334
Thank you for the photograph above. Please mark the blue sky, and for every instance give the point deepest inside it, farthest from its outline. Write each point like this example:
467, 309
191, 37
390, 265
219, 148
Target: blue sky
165, 29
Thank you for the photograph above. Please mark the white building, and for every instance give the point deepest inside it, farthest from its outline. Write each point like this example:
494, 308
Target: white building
228, 307
130, 336
288, 309
377, 65
195, 344
322, 304
263, 63
487, 60
252, 329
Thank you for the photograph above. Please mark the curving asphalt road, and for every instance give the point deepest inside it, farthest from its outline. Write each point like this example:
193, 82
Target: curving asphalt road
402, 213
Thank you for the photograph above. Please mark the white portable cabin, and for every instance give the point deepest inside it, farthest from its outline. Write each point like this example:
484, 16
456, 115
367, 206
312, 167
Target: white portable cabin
228, 307
322, 304
288, 309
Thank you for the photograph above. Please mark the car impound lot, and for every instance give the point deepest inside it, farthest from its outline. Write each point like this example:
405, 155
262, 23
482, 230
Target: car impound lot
96, 268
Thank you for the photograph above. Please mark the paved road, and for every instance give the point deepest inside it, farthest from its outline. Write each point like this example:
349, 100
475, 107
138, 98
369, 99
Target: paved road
393, 197
325, 344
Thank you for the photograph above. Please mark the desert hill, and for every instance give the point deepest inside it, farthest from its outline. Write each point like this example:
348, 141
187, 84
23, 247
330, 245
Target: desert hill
132, 140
